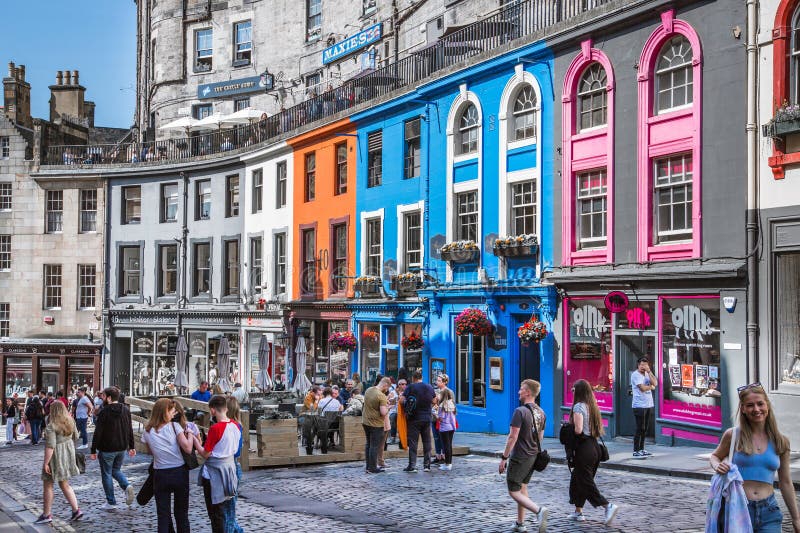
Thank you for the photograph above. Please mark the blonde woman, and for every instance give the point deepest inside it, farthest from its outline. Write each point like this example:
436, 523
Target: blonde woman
59, 462
446, 420
760, 451
588, 428
164, 440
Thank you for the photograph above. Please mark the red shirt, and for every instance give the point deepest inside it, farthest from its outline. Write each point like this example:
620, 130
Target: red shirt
64, 401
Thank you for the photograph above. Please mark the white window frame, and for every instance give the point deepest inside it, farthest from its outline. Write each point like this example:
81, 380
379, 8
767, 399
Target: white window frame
671, 70
196, 270
511, 216
5, 147
168, 200
365, 216
87, 217
591, 95
468, 130
164, 270
5, 252
243, 46
515, 114
203, 53
402, 211
126, 217
281, 184
257, 191
6, 196
5, 319
52, 279
688, 184
87, 287
126, 273
590, 195
457, 216
280, 274
54, 211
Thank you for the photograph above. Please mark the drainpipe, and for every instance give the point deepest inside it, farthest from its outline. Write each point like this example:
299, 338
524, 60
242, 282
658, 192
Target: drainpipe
106, 351
184, 233
752, 192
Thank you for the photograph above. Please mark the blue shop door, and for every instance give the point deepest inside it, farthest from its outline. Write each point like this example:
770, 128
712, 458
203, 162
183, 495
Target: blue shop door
529, 364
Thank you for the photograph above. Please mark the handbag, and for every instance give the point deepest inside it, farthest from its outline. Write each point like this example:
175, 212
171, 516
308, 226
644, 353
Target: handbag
80, 462
147, 491
542, 458
603, 451
189, 459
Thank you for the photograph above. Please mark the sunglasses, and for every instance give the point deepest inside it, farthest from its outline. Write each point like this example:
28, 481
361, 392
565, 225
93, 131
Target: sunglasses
755, 385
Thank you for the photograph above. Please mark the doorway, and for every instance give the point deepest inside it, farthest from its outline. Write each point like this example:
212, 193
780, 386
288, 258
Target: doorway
529, 363
630, 347
48, 381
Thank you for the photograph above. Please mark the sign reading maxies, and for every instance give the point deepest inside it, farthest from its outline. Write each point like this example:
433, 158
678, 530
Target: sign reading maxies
352, 44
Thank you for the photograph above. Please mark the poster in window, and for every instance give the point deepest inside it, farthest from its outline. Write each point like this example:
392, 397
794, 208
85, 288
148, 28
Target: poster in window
437, 368
713, 372
701, 376
675, 376
687, 376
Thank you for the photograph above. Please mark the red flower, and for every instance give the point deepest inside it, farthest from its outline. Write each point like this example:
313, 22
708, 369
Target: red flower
473, 321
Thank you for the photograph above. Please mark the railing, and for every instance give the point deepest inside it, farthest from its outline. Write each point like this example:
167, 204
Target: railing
514, 21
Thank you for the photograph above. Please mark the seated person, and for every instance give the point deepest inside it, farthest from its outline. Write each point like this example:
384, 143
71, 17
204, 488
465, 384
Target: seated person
328, 403
356, 403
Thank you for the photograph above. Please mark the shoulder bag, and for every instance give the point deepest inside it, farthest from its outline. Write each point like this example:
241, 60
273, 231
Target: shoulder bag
189, 459
602, 450
542, 458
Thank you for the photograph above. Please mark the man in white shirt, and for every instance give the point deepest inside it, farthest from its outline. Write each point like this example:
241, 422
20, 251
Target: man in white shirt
239, 393
643, 382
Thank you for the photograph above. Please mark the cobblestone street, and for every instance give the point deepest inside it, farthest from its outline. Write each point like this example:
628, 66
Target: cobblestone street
340, 497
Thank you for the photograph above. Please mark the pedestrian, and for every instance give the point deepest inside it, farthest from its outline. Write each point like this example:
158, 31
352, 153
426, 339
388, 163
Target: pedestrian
585, 415
218, 473
59, 462
760, 450
26, 425
376, 409
344, 394
34, 413
164, 440
519, 455
113, 436
643, 382
202, 394
239, 393
83, 410
446, 420
63, 399
11, 413
98, 402
49, 399
235, 414
417, 402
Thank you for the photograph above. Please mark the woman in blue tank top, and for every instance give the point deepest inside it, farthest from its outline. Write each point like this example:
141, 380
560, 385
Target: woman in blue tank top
761, 450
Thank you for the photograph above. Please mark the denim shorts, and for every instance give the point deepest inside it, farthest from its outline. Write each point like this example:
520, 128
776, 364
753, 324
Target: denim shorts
765, 515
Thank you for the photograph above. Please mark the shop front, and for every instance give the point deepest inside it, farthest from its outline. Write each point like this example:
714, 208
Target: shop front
315, 322
271, 323
691, 342
49, 367
143, 349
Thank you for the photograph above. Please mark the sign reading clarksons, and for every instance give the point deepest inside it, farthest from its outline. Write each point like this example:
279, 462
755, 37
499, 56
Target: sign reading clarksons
352, 44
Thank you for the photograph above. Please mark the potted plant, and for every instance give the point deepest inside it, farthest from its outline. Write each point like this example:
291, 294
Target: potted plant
412, 342
534, 330
342, 341
516, 245
785, 121
460, 252
261, 304
406, 284
367, 286
473, 321
369, 336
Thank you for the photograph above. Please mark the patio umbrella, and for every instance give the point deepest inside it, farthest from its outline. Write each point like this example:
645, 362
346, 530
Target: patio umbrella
263, 380
211, 122
181, 353
183, 123
224, 364
301, 383
244, 116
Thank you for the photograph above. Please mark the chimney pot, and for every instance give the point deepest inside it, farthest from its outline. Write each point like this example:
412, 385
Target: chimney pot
74, 77
11, 69
67, 78
21, 72
59, 78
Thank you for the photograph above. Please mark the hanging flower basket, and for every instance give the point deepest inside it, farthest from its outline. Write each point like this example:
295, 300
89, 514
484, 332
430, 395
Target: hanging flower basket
516, 246
412, 342
342, 341
460, 252
534, 330
368, 286
369, 335
473, 321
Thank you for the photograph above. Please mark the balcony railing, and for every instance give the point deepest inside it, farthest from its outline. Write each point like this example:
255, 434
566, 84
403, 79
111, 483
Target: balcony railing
517, 20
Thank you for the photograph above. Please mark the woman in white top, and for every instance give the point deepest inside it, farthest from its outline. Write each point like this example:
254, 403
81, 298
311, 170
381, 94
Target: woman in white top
165, 440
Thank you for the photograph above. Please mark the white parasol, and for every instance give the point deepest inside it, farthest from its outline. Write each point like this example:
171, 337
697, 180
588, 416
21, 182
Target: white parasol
224, 364
301, 382
244, 116
263, 380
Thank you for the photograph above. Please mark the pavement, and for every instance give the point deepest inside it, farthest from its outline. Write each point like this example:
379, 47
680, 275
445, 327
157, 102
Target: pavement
342, 498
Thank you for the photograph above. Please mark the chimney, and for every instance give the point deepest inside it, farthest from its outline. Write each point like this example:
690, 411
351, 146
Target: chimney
66, 78
17, 96
67, 98
74, 77
59, 78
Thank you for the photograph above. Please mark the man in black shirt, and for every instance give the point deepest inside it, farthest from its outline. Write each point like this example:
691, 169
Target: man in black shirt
418, 422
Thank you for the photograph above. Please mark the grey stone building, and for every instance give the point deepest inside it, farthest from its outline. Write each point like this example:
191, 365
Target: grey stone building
199, 57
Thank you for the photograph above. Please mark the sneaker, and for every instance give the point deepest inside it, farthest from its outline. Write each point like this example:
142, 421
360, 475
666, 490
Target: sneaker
541, 516
426, 469
76, 515
442, 467
611, 512
519, 528
645, 452
639, 455
109, 507
44, 519
411, 469
129, 495
448, 467
578, 517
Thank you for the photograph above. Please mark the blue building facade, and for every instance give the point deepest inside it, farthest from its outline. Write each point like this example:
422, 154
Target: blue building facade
455, 209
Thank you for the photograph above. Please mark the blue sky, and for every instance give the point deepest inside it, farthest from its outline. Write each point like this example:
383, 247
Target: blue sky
96, 37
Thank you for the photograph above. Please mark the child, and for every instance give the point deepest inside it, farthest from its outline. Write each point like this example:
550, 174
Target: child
218, 473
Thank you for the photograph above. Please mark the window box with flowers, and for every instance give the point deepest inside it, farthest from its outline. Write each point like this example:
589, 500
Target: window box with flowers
342, 341
460, 252
785, 122
516, 245
406, 284
412, 342
261, 304
368, 286
534, 330
473, 321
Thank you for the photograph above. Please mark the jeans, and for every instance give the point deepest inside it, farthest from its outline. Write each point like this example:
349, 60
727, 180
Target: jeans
169, 481
642, 416
10, 430
81, 425
437, 439
415, 429
765, 515
393, 423
374, 442
230, 516
447, 445
221, 515
111, 469
36, 427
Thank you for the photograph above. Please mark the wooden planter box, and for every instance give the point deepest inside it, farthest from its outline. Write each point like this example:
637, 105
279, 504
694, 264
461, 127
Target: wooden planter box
406, 287
277, 438
367, 290
352, 435
461, 256
516, 251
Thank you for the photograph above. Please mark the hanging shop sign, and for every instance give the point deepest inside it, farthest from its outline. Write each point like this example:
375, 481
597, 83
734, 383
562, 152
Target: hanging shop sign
499, 338
352, 44
616, 301
219, 89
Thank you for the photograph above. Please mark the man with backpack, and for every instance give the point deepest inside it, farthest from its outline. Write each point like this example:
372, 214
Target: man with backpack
417, 401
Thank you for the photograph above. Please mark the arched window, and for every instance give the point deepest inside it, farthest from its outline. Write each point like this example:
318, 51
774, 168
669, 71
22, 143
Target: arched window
592, 98
468, 130
524, 114
794, 54
674, 74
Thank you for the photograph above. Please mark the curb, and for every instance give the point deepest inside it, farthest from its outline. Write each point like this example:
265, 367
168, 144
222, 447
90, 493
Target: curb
21, 517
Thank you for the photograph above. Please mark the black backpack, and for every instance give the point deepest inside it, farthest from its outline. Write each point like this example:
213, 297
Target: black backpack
411, 405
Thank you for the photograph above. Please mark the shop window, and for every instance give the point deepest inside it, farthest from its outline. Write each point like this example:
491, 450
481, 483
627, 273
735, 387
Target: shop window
339, 273
467, 216
52, 286
130, 271
413, 148
468, 128
232, 196
5, 196
80, 373
54, 211
88, 212
256, 260
131, 205
201, 259
374, 239
168, 270
690, 352
19, 375
87, 286
311, 177
412, 359
341, 168
524, 114
313, 19
374, 158
202, 200
592, 209
280, 264
203, 50
370, 344
280, 185
213, 364
590, 355
592, 98
143, 353
231, 285
470, 371
198, 361
169, 202
243, 43
787, 317
523, 208
339, 361
257, 179
5, 319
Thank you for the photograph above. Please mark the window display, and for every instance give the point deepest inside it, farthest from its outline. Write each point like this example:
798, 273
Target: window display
18, 375
787, 317
370, 352
691, 352
81, 374
590, 351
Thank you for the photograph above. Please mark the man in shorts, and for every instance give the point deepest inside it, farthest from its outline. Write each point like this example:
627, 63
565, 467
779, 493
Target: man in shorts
520, 453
